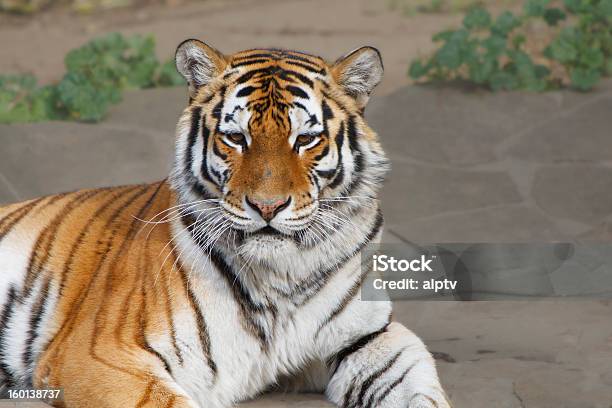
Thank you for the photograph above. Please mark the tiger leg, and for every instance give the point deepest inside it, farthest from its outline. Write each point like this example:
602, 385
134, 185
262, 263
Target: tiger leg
391, 369
101, 385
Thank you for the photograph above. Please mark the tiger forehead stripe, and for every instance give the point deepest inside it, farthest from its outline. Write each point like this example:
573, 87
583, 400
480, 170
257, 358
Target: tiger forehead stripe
303, 61
278, 54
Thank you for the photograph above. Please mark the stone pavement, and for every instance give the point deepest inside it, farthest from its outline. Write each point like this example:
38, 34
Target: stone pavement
468, 166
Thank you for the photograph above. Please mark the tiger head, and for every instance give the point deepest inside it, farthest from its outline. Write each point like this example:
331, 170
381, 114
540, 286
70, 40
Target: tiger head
272, 138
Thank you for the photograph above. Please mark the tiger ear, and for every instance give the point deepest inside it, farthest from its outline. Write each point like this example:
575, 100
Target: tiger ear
359, 72
198, 63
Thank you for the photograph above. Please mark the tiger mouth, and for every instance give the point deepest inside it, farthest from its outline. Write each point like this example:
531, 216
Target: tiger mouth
270, 231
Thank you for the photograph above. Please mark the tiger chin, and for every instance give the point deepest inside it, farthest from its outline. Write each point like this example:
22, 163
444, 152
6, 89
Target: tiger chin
237, 274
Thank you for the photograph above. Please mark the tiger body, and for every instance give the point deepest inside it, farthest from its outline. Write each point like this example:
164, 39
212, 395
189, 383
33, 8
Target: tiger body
239, 272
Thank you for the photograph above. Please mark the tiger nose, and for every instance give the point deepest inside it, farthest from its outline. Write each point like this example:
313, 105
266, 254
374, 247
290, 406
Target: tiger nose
268, 207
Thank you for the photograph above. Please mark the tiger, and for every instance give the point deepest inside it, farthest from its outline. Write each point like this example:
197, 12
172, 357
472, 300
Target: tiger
236, 275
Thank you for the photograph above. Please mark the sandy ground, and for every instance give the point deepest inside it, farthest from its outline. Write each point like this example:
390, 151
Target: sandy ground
329, 28
467, 166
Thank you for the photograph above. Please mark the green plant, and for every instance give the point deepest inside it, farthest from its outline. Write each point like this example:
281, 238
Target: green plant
491, 52
411, 7
96, 75
21, 100
23, 6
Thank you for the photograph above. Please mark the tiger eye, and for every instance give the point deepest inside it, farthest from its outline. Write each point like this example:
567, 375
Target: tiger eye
237, 138
303, 140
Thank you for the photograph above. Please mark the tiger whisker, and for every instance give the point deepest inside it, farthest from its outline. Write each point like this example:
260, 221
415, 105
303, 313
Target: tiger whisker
183, 230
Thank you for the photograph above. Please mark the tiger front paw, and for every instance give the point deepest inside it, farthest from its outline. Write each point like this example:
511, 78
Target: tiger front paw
426, 401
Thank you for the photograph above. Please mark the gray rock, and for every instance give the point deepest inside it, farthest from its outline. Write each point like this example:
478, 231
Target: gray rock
576, 192
504, 223
47, 158
450, 125
414, 191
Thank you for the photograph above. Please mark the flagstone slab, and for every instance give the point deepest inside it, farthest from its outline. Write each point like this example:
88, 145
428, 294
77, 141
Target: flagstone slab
576, 192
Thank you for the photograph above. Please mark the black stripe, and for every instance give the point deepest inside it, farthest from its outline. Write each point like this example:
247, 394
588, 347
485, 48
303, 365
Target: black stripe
255, 55
81, 237
246, 91
297, 92
242, 295
208, 98
37, 262
191, 180
353, 138
312, 68
290, 73
388, 389
326, 173
127, 240
340, 105
35, 319
346, 300
320, 279
314, 181
204, 170
143, 311
8, 222
249, 62
295, 56
327, 112
157, 354
204, 336
250, 74
218, 108
339, 178
7, 312
170, 317
299, 105
196, 115
243, 298
219, 153
365, 385
357, 155
349, 392
76, 305
354, 347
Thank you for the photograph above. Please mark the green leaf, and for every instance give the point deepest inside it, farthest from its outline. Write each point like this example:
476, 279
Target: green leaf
481, 72
584, 79
575, 6
541, 71
477, 17
81, 99
417, 69
518, 40
608, 68
449, 56
503, 81
592, 58
605, 8
553, 15
505, 23
535, 8
44, 104
443, 35
495, 45
563, 48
